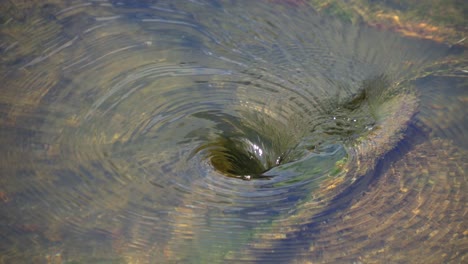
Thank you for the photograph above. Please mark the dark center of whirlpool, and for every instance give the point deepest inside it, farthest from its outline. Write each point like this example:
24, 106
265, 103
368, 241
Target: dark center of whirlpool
250, 146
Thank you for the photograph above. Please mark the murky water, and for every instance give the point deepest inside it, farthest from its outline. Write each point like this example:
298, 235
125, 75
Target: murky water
226, 131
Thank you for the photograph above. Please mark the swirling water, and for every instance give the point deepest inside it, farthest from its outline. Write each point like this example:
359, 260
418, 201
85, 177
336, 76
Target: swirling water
225, 131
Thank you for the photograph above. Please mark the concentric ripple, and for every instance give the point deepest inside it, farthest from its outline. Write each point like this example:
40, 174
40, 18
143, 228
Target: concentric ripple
213, 131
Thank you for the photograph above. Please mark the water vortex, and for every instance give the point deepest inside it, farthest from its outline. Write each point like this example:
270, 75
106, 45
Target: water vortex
151, 132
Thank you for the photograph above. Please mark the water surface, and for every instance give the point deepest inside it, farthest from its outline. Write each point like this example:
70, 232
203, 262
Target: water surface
226, 131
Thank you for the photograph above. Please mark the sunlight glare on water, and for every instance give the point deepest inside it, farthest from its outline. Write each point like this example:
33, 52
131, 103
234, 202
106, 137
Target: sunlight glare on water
225, 132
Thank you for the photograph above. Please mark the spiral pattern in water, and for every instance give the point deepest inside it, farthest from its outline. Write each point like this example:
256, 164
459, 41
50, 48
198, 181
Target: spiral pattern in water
200, 131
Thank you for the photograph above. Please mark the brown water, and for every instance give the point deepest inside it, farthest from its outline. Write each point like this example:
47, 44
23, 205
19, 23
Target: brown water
226, 131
